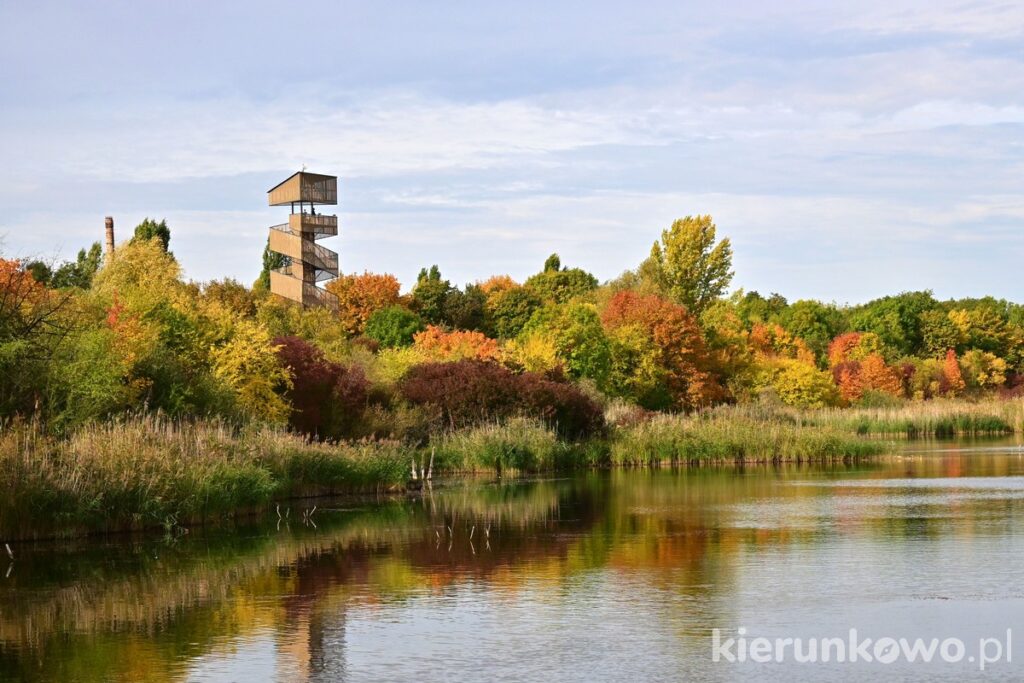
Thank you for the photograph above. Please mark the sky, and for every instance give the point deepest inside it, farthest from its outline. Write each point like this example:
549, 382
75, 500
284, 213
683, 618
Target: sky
848, 150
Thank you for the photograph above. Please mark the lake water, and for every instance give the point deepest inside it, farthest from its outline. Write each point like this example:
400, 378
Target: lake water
601, 577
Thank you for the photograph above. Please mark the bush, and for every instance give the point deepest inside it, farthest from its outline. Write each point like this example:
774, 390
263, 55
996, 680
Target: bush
393, 326
327, 398
563, 406
471, 392
468, 392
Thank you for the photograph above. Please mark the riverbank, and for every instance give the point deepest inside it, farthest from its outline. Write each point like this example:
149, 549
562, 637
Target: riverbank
151, 472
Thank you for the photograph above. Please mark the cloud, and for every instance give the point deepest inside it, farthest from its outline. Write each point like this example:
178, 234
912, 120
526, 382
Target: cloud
822, 138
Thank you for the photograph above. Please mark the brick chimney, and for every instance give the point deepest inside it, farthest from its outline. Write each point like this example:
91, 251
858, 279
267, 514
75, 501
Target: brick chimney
109, 221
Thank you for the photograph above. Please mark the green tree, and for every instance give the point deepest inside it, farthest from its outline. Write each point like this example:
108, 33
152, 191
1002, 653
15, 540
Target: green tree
141, 287
560, 285
430, 294
896, 320
510, 309
271, 261
688, 265
149, 229
466, 309
814, 322
939, 334
80, 272
579, 339
393, 326
40, 271
754, 308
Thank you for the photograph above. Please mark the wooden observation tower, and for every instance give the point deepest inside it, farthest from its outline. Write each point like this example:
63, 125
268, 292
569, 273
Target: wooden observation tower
306, 263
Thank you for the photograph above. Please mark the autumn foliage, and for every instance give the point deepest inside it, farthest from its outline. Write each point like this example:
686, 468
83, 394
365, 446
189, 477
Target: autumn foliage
360, 295
470, 392
951, 369
326, 398
443, 345
677, 341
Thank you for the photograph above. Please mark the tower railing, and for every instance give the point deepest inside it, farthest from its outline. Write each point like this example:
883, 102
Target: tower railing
307, 263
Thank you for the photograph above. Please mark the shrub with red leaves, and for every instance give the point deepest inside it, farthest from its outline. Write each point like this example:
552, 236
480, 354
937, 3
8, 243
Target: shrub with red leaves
559, 404
470, 392
327, 398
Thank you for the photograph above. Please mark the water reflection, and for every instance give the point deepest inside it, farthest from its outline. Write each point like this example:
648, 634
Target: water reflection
590, 578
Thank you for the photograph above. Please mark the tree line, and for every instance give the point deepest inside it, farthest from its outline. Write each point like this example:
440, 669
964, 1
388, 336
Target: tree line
93, 338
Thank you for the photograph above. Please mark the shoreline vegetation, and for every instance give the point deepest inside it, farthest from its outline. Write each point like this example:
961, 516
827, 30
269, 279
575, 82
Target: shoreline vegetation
151, 471
131, 398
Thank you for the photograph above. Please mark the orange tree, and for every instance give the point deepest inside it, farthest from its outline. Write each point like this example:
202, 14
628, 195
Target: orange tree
677, 340
360, 295
442, 345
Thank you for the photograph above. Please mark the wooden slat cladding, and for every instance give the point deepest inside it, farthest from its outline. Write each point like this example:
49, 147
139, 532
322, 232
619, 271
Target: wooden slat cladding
305, 187
308, 263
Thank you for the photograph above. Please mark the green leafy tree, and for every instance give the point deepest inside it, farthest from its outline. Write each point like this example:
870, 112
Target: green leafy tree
510, 309
33, 324
560, 285
689, 265
754, 308
393, 326
578, 337
80, 272
149, 229
430, 294
142, 287
939, 334
814, 322
466, 310
896, 320
89, 379
271, 261
40, 271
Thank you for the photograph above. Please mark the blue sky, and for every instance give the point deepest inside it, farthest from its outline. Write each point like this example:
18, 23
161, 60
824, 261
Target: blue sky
849, 150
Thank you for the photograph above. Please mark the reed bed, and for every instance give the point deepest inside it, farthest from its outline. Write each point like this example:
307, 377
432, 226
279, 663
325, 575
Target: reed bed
711, 438
151, 471
518, 445
928, 419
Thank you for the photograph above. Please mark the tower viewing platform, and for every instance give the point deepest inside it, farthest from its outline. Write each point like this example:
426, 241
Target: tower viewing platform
306, 263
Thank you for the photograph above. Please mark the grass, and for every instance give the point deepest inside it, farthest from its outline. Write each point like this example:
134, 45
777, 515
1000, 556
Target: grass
151, 471
719, 437
932, 418
518, 445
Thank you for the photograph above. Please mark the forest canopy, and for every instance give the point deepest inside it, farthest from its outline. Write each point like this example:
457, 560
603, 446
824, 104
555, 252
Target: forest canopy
94, 337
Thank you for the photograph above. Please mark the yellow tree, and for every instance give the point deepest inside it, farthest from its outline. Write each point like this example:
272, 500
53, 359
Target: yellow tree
688, 265
250, 365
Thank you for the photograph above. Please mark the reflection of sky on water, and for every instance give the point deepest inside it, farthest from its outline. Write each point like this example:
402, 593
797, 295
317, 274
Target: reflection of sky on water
601, 577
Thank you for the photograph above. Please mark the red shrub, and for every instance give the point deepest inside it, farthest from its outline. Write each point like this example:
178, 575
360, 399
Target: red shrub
327, 398
561, 405
470, 392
